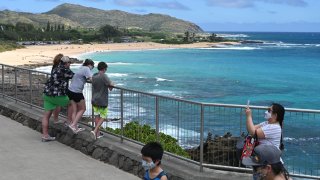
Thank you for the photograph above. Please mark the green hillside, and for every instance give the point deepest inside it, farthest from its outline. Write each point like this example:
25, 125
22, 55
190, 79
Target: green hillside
86, 17
38, 20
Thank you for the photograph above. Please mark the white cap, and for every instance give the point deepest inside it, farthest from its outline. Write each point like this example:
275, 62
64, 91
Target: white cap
65, 59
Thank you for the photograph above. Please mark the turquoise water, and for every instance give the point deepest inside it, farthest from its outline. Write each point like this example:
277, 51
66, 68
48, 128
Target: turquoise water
284, 69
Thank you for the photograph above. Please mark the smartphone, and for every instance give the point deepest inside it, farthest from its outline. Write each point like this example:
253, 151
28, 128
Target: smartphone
248, 103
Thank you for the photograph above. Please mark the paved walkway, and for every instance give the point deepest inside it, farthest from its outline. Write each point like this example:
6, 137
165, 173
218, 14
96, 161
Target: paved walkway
24, 156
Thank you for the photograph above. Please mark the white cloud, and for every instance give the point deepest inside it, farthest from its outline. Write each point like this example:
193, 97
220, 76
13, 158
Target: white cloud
230, 3
149, 3
287, 2
252, 3
141, 10
95, 0
50, 0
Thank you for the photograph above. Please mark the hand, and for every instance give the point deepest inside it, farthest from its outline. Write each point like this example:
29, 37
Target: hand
248, 111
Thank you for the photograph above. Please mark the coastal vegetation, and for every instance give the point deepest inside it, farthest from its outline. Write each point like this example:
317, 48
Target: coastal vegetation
144, 133
69, 23
8, 46
60, 33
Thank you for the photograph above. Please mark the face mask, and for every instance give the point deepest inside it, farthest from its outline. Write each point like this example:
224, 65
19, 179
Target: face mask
267, 115
148, 166
258, 176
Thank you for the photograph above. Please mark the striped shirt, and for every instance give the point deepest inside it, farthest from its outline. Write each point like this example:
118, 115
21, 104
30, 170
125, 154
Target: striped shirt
272, 133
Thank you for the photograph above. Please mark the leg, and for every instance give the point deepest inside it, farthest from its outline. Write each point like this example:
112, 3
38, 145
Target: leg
72, 110
56, 114
96, 120
70, 113
81, 108
98, 124
45, 123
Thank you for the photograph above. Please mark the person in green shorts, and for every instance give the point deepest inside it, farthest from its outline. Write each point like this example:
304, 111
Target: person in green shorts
101, 85
54, 94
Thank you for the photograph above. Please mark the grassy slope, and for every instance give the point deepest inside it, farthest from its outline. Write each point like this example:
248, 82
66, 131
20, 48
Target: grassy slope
8, 46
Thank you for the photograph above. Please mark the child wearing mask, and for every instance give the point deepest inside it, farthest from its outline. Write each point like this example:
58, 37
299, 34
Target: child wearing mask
151, 160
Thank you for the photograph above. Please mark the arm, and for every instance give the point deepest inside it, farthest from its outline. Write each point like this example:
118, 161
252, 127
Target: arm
88, 75
251, 128
68, 74
111, 86
89, 79
164, 178
108, 83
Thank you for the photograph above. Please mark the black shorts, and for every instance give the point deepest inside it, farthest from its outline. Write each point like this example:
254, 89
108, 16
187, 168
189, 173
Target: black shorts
76, 97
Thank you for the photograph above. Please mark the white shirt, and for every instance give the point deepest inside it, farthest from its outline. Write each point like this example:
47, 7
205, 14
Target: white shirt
79, 79
272, 133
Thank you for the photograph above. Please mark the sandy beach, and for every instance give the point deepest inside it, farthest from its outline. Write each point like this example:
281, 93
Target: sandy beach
43, 54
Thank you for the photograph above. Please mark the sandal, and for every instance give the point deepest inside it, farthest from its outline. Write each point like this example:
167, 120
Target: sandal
79, 130
93, 134
47, 138
58, 122
100, 135
74, 130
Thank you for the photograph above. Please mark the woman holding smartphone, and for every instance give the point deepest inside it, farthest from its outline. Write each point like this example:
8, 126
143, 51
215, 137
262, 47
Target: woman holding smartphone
270, 131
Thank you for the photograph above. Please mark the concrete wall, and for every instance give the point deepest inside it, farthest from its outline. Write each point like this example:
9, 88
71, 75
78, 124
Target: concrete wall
125, 156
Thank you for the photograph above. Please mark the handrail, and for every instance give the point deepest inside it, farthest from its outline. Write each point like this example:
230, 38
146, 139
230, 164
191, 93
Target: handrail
158, 99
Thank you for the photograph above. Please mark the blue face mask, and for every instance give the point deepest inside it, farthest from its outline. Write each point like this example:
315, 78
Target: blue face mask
267, 115
148, 166
258, 176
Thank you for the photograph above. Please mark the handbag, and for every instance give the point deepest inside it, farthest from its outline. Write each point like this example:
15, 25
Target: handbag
246, 145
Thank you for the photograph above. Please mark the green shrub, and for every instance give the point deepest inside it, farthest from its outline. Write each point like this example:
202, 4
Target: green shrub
145, 134
8, 46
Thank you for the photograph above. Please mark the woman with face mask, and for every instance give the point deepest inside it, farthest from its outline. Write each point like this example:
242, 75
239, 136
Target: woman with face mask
268, 132
266, 163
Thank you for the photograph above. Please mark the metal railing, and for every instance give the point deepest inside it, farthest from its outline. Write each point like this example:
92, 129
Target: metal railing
190, 123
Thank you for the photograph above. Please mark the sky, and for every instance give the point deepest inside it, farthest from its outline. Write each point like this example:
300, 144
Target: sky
210, 15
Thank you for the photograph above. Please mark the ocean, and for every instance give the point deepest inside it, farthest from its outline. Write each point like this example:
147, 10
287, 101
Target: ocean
285, 68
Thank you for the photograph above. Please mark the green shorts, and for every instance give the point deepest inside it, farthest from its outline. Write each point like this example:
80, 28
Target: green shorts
100, 111
52, 102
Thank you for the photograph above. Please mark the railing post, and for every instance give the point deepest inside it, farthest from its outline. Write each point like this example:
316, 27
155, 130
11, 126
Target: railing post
2, 80
201, 137
16, 84
121, 104
92, 111
30, 84
157, 118
139, 106
241, 112
178, 134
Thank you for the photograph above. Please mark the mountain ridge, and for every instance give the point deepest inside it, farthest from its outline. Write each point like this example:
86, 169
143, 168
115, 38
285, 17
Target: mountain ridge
87, 17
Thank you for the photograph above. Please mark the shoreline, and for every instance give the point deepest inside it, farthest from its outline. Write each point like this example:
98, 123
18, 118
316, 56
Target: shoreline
42, 55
